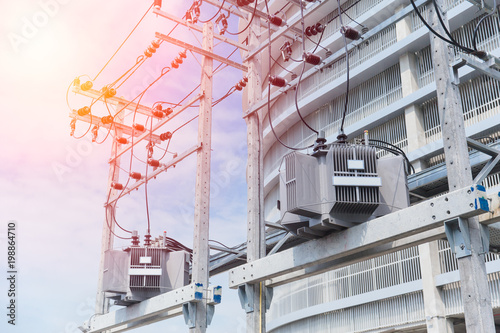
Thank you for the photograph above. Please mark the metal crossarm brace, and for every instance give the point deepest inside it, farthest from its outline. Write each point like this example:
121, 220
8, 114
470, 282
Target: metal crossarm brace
95, 120
488, 67
201, 51
197, 28
495, 158
115, 101
398, 225
162, 122
155, 173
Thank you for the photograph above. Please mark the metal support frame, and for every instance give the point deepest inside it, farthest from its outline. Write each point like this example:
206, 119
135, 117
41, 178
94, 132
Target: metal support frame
473, 279
201, 249
201, 51
256, 235
420, 223
489, 67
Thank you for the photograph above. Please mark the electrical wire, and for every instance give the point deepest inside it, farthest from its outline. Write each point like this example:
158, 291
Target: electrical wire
474, 35
392, 149
220, 8
465, 49
302, 71
123, 42
248, 25
107, 220
342, 135
277, 63
269, 91
227, 247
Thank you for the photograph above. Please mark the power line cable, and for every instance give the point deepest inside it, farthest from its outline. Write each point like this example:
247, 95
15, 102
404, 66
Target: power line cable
248, 25
269, 90
342, 135
123, 42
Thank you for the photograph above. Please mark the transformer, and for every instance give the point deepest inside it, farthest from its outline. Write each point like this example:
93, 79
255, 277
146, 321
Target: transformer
138, 273
339, 187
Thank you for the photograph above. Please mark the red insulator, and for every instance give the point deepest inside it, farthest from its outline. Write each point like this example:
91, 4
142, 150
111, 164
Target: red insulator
107, 120
168, 111
238, 87
83, 111
109, 92
351, 33
183, 54
277, 81
151, 49
312, 59
276, 20
189, 18
243, 83
158, 114
122, 141
153, 163
156, 43
320, 27
311, 31
117, 186
139, 127
136, 175
174, 64
178, 60
165, 136
148, 54
159, 107
87, 86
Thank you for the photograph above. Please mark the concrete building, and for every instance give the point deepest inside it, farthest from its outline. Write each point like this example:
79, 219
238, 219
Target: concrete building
393, 96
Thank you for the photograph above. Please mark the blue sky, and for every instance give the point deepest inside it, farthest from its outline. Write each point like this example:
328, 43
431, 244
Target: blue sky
54, 186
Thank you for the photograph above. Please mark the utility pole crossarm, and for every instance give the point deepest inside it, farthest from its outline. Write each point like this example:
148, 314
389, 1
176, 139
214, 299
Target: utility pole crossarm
197, 28
201, 51
115, 101
95, 120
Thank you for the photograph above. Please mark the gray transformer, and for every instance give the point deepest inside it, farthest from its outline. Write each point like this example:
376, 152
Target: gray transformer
338, 188
139, 273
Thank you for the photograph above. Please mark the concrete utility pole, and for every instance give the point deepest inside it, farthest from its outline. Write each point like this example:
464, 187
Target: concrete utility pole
201, 250
256, 320
474, 284
102, 304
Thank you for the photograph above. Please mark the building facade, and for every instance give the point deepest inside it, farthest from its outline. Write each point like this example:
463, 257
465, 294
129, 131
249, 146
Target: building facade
392, 95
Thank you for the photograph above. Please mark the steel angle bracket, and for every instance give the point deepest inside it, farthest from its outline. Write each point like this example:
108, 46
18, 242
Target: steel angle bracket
189, 308
245, 293
457, 232
269, 292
